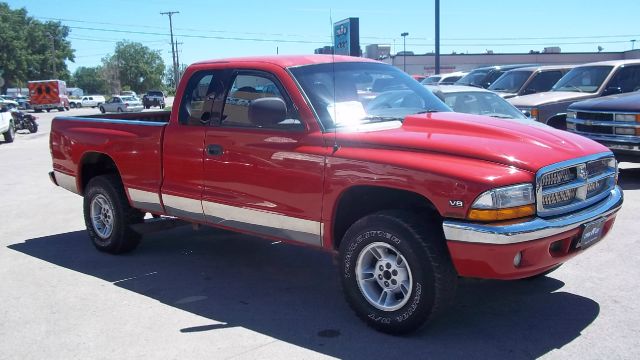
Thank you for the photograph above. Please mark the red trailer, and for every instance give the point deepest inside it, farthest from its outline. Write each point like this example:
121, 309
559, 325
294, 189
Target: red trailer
48, 94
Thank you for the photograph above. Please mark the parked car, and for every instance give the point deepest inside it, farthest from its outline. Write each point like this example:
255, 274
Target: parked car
444, 79
485, 76
418, 77
408, 197
93, 101
7, 125
153, 98
119, 103
478, 101
75, 103
8, 102
129, 93
529, 80
581, 83
613, 121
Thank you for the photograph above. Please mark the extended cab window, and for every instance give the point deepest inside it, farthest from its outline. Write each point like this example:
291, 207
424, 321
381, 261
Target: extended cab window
627, 79
252, 86
544, 81
196, 107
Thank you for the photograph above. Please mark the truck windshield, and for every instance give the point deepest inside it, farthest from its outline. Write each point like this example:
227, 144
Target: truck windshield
583, 79
474, 78
350, 94
510, 81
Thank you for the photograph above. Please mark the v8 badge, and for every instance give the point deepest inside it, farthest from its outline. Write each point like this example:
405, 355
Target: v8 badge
456, 203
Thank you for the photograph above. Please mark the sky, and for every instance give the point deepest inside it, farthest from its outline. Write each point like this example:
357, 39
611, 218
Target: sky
217, 29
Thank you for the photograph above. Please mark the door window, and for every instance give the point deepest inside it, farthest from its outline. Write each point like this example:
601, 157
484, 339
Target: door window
544, 81
196, 107
627, 79
251, 86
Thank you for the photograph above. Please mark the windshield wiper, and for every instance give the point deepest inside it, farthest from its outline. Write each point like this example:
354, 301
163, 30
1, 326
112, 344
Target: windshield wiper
378, 118
427, 111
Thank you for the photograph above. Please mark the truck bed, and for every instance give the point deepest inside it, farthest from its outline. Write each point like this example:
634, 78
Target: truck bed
131, 141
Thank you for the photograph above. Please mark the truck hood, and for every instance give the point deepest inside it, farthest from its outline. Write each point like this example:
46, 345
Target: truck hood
629, 102
549, 97
524, 144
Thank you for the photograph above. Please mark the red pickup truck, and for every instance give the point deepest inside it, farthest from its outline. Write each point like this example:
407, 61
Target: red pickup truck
352, 156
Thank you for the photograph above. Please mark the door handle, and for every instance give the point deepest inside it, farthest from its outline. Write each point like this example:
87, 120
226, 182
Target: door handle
214, 150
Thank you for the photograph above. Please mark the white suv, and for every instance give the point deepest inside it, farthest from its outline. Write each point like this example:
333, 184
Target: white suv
7, 127
92, 101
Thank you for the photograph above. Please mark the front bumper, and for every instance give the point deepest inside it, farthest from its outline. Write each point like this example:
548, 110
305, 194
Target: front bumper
488, 250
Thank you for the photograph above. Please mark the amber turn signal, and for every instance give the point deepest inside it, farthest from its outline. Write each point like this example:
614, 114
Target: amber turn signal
502, 214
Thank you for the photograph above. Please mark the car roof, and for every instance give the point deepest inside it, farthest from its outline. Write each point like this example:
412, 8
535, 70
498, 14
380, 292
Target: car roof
448, 89
291, 60
613, 62
544, 67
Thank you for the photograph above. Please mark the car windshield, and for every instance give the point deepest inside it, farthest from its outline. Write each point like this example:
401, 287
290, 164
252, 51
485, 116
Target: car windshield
481, 103
511, 81
583, 79
349, 94
431, 80
474, 78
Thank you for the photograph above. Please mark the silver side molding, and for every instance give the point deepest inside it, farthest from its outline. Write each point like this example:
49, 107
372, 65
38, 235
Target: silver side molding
67, 182
145, 200
264, 222
183, 207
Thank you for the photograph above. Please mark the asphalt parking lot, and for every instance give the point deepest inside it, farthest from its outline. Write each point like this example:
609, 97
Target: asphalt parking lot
212, 294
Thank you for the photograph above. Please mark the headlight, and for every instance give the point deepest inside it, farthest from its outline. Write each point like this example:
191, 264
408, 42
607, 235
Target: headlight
571, 114
504, 203
627, 117
571, 126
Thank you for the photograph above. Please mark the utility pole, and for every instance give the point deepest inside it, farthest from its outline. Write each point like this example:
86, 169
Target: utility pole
173, 50
178, 63
437, 69
404, 51
633, 44
53, 55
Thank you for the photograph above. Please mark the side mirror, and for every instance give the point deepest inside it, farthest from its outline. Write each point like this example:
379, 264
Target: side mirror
267, 112
611, 90
527, 114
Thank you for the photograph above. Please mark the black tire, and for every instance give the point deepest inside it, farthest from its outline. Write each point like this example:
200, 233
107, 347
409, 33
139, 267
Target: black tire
422, 245
119, 110
72, 105
10, 134
32, 127
122, 238
48, 110
102, 110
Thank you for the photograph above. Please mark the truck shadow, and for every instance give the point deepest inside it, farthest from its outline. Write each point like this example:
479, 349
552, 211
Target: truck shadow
629, 179
292, 294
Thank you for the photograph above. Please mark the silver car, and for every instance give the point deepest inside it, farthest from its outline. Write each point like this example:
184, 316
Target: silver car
119, 103
474, 100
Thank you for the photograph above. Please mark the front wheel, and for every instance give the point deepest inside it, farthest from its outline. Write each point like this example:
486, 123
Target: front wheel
10, 134
108, 216
119, 110
102, 109
396, 271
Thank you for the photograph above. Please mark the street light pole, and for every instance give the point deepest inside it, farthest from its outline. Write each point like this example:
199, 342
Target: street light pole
404, 51
53, 55
437, 67
633, 44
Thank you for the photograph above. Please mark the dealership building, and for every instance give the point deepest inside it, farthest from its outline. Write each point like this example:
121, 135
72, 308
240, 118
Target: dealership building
425, 64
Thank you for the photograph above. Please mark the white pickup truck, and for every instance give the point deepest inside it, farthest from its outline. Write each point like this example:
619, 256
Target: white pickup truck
7, 127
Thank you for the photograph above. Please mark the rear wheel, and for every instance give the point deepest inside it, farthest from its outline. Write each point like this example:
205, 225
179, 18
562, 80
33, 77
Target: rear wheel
72, 105
108, 216
396, 271
119, 109
10, 134
32, 126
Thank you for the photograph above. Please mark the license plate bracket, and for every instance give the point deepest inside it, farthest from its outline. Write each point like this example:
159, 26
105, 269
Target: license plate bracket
591, 233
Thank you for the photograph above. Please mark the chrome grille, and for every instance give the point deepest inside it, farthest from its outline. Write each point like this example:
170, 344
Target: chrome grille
559, 198
559, 177
574, 184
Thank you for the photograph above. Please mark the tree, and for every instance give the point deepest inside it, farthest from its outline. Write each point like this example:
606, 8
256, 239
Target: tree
170, 86
27, 48
135, 66
90, 79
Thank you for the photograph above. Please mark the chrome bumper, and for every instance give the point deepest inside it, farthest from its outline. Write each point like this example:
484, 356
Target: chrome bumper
537, 228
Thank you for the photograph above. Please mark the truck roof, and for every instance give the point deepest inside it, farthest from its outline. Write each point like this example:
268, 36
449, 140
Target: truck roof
291, 60
613, 62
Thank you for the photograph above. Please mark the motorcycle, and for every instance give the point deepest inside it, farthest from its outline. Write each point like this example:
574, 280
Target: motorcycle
24, 121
